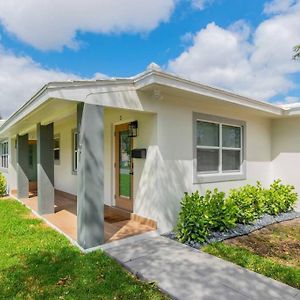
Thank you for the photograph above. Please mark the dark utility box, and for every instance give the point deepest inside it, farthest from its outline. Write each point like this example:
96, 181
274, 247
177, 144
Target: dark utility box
138, 153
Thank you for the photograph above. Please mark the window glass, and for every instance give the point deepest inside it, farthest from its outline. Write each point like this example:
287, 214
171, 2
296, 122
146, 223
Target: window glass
4, 154
231, 160
218, 151
207, 160
125, 164
231, 136
56, 148
207, 134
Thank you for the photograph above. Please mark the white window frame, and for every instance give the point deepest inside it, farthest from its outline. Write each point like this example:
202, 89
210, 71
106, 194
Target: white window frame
4, 156
74, 151
219, 175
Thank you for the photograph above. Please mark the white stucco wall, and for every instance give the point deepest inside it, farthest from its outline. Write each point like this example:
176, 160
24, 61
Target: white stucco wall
168, 171
286, 151
64, 179
272, 151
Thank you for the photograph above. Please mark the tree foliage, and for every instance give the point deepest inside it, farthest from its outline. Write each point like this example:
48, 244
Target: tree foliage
296, 52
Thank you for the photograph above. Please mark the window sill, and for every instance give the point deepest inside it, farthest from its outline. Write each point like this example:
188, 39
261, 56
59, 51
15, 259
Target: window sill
3, 170
210, 178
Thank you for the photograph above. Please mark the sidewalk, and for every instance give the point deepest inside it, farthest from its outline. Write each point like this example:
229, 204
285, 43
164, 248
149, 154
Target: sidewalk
186, 273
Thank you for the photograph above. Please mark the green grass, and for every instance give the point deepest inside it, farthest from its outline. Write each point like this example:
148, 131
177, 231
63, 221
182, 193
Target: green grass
36, 262
125, 185
265, 253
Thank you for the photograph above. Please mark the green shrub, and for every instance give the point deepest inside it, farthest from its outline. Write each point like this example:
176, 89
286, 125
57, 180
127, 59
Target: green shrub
250, 202
3, 186
280, 198
200, 215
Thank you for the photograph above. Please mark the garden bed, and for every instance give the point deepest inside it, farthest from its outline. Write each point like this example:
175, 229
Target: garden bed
240, 229
215, 216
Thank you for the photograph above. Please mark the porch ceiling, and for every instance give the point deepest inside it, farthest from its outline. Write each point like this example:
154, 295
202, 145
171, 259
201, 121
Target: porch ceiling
52, 110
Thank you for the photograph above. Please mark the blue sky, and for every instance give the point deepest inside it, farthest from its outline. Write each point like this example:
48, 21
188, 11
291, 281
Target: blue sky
224, 43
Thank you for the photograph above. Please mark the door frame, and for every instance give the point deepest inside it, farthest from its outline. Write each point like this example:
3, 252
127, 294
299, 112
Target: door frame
121, 202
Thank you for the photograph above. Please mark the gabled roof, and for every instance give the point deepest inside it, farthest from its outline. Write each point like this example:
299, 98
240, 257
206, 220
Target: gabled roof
152, 76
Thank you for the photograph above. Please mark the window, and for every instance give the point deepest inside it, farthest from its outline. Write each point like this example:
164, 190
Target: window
56, 149
219, 153
75, 151
4, 154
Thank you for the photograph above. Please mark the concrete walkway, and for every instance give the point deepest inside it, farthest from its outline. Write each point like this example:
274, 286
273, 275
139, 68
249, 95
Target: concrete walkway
186, 273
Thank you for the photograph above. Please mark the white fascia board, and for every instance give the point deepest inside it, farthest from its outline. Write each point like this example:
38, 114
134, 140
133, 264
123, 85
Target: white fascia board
71, 91
165, 79
87, 90
30, 105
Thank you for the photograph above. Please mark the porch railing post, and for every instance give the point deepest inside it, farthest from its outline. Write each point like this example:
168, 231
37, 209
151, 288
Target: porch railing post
90, 194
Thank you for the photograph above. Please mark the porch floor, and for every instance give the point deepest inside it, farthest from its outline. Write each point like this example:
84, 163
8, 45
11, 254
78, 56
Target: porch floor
116, 226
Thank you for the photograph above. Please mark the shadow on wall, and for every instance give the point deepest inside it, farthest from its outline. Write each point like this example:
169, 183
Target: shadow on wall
159, 188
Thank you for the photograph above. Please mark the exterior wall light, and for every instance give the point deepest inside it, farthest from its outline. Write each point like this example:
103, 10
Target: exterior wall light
133, 126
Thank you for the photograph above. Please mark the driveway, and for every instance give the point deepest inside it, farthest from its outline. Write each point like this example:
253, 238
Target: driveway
186, 273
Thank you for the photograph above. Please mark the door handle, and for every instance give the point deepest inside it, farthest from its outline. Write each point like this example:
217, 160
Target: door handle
130, 173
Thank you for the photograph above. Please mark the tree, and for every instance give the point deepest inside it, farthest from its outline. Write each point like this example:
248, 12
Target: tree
296, 52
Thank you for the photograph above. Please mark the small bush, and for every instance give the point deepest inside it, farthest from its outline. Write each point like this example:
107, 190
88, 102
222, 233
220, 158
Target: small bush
250, 202
200, 215
280, 198
3, 186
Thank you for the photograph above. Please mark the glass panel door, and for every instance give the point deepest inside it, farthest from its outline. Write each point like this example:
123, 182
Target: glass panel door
123, 168
125, 164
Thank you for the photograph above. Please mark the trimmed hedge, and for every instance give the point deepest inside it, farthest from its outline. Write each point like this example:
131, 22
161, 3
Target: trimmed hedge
3, 185
201, 215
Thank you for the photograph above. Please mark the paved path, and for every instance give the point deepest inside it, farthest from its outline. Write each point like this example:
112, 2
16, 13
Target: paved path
186, 273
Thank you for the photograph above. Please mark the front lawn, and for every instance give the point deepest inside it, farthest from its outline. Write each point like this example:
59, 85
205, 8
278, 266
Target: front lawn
273, 251
36, 262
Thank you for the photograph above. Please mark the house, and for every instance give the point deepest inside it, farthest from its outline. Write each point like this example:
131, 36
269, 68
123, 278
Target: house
137, 144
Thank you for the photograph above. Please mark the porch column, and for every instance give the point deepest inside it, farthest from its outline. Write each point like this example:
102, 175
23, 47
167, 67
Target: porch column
45, 169
90, 195
22, 166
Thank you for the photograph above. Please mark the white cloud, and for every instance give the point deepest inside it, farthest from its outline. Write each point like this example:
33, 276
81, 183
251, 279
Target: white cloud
278, 6
200, 4
256, 62
52, 24
21, 77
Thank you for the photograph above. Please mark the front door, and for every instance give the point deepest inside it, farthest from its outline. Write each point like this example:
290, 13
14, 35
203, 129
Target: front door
123, 168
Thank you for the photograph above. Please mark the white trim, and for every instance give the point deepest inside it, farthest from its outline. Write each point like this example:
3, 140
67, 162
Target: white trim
79, 91
166, 79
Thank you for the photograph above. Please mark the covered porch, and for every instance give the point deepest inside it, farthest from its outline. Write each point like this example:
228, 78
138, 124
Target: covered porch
118, 224
63, 166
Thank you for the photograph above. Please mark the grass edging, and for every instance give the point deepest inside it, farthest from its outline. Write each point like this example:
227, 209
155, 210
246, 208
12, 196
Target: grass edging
256, 263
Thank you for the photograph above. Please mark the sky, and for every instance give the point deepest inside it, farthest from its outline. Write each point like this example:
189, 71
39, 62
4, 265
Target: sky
244, 46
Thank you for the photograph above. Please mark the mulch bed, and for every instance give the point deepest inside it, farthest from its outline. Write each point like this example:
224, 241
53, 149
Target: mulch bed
241, 229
